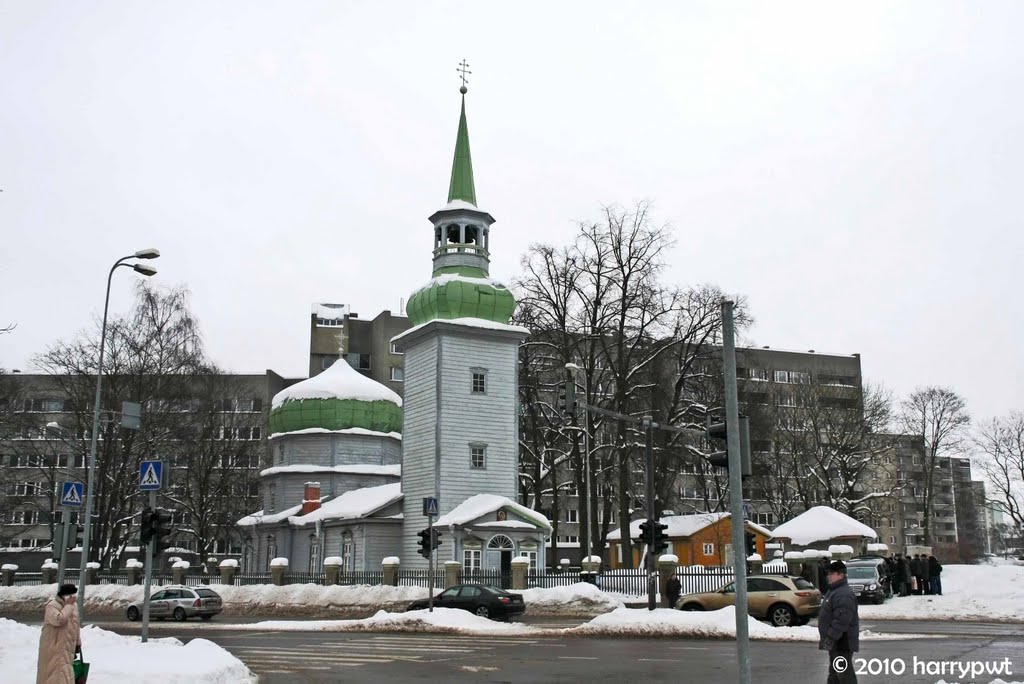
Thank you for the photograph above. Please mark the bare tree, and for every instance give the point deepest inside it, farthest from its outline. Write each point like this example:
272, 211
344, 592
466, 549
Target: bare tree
1001, 440
938, 416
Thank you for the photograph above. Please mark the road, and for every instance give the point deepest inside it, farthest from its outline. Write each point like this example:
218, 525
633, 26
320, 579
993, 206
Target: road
294, 657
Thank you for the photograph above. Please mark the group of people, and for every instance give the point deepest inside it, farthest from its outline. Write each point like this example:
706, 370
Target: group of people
918, 575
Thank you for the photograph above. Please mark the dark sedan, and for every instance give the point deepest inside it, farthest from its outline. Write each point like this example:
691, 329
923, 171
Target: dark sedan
479, 599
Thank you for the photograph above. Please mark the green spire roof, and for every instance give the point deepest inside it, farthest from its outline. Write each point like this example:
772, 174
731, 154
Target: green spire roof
462, 187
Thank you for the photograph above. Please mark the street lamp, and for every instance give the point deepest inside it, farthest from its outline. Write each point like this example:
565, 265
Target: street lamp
146, 270
586, 454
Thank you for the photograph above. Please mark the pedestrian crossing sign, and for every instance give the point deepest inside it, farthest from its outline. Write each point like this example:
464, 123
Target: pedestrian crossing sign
72, 493
151, 475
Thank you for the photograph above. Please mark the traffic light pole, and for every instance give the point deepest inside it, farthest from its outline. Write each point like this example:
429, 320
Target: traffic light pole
149, 573
739, 558
430, 565
652, 521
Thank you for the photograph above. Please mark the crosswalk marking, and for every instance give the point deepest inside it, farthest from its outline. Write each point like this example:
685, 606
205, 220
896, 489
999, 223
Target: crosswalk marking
377, 649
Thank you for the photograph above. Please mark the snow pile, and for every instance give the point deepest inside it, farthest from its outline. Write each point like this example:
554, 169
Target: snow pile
442, 620
681, 623
229, 563
116, 658
9, 566
969, 592
821, 523
279, 563
581, 598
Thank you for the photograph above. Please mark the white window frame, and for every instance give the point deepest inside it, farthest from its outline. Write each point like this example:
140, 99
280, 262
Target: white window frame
474, 375
471, 560
482, 448
394, 350
397, 374
572, 515
709, 549
781, 376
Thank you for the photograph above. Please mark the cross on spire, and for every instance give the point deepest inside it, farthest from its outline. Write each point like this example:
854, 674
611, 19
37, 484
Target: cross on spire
463, 70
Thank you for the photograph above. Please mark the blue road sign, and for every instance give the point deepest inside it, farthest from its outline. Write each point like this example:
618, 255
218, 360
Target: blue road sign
72, 493
430, 506
151, 475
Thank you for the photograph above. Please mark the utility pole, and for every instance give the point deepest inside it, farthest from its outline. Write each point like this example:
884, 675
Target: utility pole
652, 520
739, 557
149, 570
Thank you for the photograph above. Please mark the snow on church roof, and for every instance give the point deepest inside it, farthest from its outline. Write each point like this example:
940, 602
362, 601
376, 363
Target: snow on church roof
820, 524
357, 503
355, 469
481, 504
258, 518
340, 381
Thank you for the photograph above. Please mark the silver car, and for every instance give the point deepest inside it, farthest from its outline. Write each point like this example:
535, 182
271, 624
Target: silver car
180, 603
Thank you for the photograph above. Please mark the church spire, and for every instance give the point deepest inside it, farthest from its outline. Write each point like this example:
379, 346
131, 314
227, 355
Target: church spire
462, 186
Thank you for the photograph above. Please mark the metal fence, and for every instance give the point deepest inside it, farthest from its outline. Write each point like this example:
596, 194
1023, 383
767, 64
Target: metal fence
629, 581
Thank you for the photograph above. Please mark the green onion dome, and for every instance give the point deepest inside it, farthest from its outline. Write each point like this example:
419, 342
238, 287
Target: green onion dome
337, 399
464, 293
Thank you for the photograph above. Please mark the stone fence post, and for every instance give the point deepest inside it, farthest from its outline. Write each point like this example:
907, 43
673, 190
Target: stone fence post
843, 552
178, 571
794, 561
278, 567
589, 567
8, 570
133, 569
520, 566
228, 567
49, 571
452, 573
332, 569
667, 565
92, 572
756, 564
391, 565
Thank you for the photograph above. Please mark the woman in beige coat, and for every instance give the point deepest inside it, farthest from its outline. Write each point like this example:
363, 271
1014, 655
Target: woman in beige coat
60, 638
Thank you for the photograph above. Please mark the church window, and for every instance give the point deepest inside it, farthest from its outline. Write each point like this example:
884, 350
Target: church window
500, 541
272, 504
472, 233
477, 456
453, 232
471, 560
479, 381
314, 554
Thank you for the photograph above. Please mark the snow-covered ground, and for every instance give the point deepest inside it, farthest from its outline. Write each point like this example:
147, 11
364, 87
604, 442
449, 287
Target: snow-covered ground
993, 593
115, 658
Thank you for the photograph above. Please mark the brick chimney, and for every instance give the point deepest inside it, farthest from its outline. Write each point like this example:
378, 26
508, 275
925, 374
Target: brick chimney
310, 498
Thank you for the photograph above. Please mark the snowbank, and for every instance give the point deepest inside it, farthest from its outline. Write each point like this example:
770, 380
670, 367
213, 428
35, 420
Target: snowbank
116, 658
969, 592
714, 624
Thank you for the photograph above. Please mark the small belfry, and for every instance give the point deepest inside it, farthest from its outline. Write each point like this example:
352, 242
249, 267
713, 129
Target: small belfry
461, 287
460, 426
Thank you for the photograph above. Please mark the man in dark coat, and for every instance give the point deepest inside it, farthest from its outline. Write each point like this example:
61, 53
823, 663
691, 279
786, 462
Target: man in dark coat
905, 575
934, 570
925, 581
915, 573
673, 589
822, 581
839, 626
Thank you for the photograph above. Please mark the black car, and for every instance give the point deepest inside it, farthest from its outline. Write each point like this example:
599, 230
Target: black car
479, 599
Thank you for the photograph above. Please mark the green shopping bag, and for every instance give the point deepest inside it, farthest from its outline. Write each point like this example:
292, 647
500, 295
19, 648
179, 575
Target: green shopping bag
81, 669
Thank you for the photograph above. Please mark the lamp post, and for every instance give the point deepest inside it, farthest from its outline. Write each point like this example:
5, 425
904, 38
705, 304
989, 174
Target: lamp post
146, 270
586, 454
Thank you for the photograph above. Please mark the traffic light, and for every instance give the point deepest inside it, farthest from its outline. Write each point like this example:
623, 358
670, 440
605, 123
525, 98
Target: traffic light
146, 531
435, 539
720, 459
567, 398
160, 524
749, 543
659, 542
645, 533
424, 536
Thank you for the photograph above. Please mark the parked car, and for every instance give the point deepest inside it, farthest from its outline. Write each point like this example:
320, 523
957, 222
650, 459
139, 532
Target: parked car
479, 599
866, 581
782, 600
880, 565
180, 603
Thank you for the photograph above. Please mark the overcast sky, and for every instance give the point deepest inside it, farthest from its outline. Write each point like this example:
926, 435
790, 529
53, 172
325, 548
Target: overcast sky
856, 173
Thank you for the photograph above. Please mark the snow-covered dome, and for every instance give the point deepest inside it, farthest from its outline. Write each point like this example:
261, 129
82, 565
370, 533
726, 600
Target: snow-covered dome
337, 399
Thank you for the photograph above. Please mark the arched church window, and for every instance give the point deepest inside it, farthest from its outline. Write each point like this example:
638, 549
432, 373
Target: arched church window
500, 541
472, 235
452, 230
